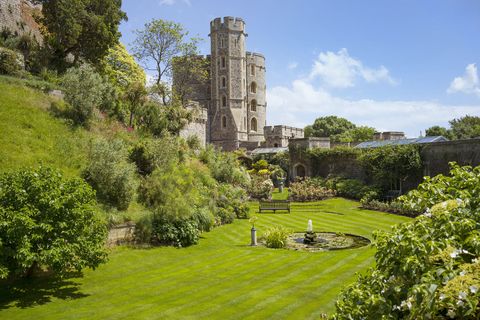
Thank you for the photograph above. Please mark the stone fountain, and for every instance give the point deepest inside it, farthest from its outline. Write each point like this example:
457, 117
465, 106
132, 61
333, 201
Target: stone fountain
310, 236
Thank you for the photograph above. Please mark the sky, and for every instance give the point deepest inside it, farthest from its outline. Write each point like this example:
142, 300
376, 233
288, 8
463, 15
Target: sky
402, 65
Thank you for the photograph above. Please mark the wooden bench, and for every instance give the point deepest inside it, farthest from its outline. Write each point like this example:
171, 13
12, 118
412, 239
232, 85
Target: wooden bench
274, 205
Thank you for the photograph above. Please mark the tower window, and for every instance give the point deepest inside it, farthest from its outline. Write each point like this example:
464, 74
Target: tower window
245, 122
224, 63
222, 42
253, 105
252, 70
224, 122
224, 82
253, 125
224, 101
253, 87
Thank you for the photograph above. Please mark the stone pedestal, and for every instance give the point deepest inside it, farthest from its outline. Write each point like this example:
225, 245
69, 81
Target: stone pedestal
253, 236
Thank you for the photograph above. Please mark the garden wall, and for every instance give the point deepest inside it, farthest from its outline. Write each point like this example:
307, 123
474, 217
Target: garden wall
122, 233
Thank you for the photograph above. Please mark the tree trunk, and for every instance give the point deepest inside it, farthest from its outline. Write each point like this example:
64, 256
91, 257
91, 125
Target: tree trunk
32, 269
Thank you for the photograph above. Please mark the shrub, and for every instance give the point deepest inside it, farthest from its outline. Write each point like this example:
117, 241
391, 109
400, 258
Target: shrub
352, 188
176, 232
260, 187
276, 237
151, 154
11, 62
84, 90
110, 174
309, 190
428, 268
49, 221
144, 230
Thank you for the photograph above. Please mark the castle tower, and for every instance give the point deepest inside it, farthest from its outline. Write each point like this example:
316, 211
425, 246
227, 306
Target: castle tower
233, 122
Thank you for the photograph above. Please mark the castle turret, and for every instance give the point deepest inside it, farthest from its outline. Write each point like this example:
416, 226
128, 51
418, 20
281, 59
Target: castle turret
256, 96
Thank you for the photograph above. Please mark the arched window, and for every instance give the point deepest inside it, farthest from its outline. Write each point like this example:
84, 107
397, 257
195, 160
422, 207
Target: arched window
224, 82
224, 122
253, 105
224, 101
253, 125
253, 87
300, 171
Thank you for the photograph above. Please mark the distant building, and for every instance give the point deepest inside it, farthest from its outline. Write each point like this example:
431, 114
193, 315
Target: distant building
279, 136
389, 135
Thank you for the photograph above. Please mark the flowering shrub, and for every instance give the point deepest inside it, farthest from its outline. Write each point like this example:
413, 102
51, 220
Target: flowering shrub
309, 190
261, 187
395, 207
428, 268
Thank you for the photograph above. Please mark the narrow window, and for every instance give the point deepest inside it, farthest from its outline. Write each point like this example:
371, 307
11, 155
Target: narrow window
245, 122
252, 70
224, 101
253, 105
253, 87
224, 122
253, 124
224, 82
224, 64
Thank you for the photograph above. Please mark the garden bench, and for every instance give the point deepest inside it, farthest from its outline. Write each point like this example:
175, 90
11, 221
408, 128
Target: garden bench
275, 205
392, 194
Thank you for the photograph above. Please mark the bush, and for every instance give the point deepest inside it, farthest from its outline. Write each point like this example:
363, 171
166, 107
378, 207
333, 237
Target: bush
309, 190
352, 188
261, 187
49, 221
428, 268
276, 237
177, 232
11, 62
110, 174
151, 154
84, 90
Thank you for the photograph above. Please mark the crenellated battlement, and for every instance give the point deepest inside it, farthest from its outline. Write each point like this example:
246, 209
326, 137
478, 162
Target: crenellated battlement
227, 23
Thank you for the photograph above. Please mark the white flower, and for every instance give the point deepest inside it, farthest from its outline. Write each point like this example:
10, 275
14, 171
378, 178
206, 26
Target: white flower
476, 260
442, 296
454, 254
463, 273
462, 295
460, 303
473, 289
451, 313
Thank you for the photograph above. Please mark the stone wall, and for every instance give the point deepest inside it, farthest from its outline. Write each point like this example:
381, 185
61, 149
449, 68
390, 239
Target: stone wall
199, 124
17, 16
279, 136
123, 233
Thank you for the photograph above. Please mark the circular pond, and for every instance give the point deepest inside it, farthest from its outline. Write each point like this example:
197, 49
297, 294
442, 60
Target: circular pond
324, 241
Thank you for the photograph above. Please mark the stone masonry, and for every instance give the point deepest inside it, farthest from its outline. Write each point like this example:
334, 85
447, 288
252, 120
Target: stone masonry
17, 16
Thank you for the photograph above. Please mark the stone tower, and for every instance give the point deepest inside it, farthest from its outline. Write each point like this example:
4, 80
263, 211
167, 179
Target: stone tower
237, 109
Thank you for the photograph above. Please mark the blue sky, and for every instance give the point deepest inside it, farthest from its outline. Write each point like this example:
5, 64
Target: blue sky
401, 65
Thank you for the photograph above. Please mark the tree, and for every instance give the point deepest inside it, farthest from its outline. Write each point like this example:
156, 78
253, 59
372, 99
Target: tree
330, 126
48, 221
121, 68
190, 72
156, 46
85, 29
308, 131
84, 89
135, 95
437, 131
357, 134
466, 127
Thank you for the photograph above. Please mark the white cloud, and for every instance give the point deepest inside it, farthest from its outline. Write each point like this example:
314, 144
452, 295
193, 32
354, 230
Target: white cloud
468, 83
340, 70
303, 101
172, 2
292, 65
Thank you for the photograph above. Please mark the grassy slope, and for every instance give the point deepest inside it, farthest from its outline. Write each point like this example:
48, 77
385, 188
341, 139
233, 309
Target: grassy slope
221, 278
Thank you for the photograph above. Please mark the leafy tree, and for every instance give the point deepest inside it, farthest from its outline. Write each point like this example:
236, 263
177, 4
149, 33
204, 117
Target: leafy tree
85, 29
48, 221
308, 131
84, 89
330, 126
110, 174
121, 69
466, 127
190, 71
156, 46
135, 95
357, 134
437, 131
428, 268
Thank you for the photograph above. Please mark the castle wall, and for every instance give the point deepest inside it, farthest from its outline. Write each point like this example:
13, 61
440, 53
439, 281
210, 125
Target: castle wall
16, 15
256, 96
198, 126
279, 136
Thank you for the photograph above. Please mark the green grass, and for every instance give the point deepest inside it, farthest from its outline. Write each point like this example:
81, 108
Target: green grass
30, 136
220, 278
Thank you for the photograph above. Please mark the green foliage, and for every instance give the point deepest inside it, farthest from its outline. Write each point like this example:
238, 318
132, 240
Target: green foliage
389, 166
465, 128
48, 221
11, 62
330, 126
428, 268
276, 237
357, 134
151, 154
85, 29
135, 95
110, 174
370, 202
188, 69
84, 90
463, 183
438, 131
176, 232
309, 190
350, 188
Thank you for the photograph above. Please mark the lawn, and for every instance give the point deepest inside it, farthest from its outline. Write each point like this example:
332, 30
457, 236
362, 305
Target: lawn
220, 278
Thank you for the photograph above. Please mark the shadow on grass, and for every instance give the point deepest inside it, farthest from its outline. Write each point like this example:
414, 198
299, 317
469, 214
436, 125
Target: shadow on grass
29, 292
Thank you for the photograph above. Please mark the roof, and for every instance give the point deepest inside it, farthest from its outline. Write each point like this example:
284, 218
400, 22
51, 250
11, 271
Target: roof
269, 150
398, 142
